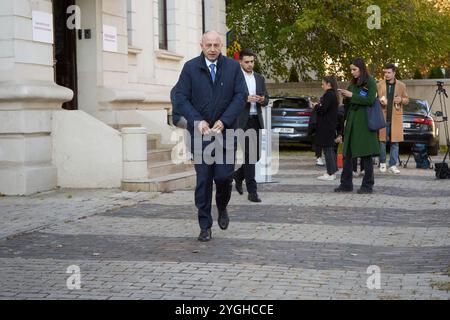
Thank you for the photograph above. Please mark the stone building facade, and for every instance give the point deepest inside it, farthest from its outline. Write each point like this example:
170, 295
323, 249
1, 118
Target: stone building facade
73, 72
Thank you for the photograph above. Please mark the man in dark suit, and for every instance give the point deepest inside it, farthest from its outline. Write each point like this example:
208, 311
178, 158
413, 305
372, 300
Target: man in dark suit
251, 120
210, 94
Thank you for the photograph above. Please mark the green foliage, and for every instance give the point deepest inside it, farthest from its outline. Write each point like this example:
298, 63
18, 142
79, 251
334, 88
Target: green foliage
293, 75
257, 67
417, 74
324, 35
436, 73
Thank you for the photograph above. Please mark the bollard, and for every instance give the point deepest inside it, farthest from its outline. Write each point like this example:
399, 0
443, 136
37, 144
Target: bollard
263, 168
134, 146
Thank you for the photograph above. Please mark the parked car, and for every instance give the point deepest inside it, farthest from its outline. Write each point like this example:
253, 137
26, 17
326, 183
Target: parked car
290, 118
419, 126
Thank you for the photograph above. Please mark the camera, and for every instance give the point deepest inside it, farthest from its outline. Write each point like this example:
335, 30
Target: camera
441, 88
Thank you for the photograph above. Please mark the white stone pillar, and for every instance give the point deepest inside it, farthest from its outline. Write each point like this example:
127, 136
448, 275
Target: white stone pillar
134, 141
28, 95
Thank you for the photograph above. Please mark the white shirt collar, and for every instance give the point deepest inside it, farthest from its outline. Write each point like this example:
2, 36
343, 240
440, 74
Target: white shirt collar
208, 63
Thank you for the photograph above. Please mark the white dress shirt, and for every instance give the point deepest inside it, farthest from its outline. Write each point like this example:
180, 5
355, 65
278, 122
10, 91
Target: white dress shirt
251, 85
208, 63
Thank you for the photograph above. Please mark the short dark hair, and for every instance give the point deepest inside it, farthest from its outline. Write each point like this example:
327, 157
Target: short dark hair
390, 66
246, 53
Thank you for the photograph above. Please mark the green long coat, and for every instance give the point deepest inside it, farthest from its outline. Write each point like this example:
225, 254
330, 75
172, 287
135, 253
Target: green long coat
362, 141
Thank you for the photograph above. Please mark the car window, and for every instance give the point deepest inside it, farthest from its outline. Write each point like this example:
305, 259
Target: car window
291, 104
416, 106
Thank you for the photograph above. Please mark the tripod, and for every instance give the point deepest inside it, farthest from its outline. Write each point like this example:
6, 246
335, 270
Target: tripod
442, 93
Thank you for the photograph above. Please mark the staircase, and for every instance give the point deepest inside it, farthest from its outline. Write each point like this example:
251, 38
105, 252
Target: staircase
163, 174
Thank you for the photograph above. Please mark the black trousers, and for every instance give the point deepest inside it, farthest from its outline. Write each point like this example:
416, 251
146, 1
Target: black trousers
347, 172
247, 170
318, 150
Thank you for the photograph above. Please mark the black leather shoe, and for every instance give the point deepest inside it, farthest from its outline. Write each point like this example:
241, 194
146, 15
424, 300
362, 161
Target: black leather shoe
238, 185
364, 191
205, 235
342, 189
253, 197
223, 220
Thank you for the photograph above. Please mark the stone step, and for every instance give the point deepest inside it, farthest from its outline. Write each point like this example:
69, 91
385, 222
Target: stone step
172, 182
154, 142
160, 169
121, 126
159, 155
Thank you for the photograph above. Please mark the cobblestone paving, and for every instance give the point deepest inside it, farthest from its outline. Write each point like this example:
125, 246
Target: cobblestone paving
302, 242
22, 214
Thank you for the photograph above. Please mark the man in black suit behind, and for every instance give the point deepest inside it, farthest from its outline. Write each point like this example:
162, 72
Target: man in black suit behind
251, 119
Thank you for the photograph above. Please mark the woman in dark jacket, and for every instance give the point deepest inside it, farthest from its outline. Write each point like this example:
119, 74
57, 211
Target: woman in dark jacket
327, 121
359, 141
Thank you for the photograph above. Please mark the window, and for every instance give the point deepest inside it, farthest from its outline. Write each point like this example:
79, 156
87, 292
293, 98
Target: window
417, 106
162, 15
299, 103
130, 20
203, 17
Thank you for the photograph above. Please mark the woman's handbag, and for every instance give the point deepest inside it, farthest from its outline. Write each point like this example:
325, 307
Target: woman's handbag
375, 117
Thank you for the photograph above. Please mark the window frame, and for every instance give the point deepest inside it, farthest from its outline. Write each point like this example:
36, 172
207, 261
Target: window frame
162, 25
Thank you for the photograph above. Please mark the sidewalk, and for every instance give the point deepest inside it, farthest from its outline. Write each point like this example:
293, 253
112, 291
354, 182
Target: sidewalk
303, 242
25, 214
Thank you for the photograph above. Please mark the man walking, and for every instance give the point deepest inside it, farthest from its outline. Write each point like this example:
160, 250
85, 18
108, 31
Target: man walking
251, 121
393, 97
210, 94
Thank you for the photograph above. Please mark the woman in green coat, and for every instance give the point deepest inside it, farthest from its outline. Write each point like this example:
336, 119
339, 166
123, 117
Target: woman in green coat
359, 141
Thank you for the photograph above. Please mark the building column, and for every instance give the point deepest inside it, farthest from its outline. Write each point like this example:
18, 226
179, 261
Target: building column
28, 95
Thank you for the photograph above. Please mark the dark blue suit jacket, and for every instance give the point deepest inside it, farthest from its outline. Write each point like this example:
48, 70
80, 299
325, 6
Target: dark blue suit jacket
260, 91
198, 98
177, 118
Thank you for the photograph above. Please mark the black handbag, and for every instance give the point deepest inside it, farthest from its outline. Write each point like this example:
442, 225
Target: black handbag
375, 117
442, 170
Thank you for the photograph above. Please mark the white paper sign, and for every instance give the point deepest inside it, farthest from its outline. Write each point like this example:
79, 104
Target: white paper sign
109, 38
42, 27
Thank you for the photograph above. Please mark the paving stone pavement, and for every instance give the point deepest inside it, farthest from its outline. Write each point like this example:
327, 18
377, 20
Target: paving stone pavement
302, 242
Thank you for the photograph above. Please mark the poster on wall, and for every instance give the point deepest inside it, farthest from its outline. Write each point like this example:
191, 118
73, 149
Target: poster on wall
109, 38
42, 27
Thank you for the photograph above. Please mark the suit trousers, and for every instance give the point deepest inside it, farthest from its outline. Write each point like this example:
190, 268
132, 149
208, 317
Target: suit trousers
247, 170
222, 175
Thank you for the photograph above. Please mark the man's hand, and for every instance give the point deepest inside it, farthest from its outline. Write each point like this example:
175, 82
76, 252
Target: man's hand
338, 139
398, 100
256, 99
252, 98
203, 127
260, 99
218, 127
